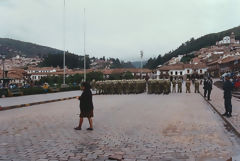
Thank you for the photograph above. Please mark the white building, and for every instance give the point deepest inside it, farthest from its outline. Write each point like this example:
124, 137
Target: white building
182, 71
228, 40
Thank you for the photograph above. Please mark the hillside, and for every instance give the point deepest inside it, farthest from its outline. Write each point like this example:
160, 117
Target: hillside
51, 57
192, 45
10, 47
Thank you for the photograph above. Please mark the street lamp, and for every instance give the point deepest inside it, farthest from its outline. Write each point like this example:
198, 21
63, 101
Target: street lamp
84, 36
64, 41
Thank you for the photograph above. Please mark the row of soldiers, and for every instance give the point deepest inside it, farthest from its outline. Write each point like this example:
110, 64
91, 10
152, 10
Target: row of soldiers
159, 87
179, 83
120, 87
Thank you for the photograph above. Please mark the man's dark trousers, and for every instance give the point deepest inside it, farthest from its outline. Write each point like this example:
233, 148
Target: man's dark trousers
228, 105
205, 92
209, 93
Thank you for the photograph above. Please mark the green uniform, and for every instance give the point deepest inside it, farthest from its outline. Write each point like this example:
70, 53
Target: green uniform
179, 86
188, 85
196, 83
174, 86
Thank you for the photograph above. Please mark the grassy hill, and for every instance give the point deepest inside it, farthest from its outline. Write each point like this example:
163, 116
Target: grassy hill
192, 45
10, 47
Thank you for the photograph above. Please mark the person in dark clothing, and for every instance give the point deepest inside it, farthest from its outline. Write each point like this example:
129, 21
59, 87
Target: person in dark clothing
205, 87
209, 88
227, 87
86, 106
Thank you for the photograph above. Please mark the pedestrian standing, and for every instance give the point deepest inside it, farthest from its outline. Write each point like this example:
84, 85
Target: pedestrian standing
205, 87
86, 106
209, 88
227, 87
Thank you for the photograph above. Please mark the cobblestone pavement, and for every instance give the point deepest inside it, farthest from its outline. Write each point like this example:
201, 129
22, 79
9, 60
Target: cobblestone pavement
217, 101
175, 127
11, 101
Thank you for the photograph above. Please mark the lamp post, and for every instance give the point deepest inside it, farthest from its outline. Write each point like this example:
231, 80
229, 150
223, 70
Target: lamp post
141, 54
64, 41
84, 36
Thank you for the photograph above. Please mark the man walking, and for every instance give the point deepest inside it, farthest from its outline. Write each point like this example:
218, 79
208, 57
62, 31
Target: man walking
227, 87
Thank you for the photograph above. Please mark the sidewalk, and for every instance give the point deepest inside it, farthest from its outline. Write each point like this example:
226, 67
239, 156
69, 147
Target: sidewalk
22, 101
217, 101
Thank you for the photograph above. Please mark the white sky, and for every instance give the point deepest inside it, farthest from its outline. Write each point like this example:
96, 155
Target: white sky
116, 28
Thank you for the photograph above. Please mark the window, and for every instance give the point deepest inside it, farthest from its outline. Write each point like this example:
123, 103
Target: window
171, 73
180, 73
176, 73
188, 71
201, 71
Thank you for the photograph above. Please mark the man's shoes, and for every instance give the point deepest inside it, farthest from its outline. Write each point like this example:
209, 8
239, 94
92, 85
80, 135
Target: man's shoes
225, 114
209, 100
90, 129
77, 128
229, 115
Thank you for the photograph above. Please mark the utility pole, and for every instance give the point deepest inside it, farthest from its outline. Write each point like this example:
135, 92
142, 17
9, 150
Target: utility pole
64, 41
84, 36
141, 54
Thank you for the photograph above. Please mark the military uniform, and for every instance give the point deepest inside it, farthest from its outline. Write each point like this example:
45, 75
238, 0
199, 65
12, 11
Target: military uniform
174, 86
196, 84
179, 86
188, 85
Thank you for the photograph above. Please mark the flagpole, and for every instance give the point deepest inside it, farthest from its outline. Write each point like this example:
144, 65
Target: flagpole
141, 54
84, 28
64, 42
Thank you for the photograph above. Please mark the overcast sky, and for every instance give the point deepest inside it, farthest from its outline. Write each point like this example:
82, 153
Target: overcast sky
116, 28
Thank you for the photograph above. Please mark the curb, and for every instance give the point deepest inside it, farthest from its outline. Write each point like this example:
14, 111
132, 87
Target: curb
35, 103
229, 124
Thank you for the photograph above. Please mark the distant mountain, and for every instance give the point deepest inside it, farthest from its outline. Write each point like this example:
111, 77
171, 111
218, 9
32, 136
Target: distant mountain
10, 48
137, 64
192, 45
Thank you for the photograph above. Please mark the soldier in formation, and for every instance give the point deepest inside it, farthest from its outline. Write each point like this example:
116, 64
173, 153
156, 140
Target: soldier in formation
196, 85
179, 82
174, 86
188, 86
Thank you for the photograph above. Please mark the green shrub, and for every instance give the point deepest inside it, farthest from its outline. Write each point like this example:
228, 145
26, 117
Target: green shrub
3, 92
32, 90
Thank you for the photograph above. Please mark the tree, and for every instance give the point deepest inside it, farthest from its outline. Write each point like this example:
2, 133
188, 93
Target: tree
128, 75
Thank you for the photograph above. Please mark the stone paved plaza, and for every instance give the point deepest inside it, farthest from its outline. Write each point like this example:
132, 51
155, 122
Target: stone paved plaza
175, 127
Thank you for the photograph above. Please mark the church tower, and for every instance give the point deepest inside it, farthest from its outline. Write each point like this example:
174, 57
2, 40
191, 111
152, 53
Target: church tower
232, 38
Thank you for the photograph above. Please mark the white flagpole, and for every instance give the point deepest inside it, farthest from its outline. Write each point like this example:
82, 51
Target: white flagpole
84, 28
141, 54
64, 42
